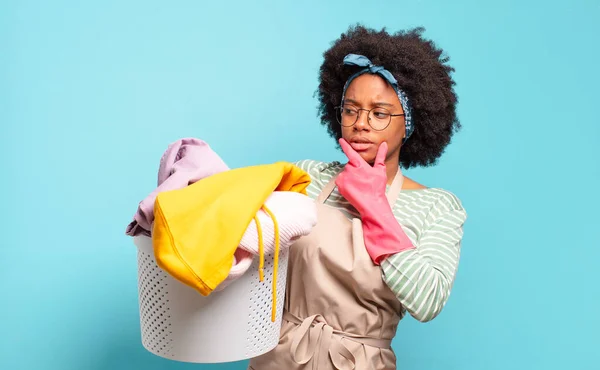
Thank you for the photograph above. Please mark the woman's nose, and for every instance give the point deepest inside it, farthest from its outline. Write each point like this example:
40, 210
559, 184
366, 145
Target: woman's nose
362, 121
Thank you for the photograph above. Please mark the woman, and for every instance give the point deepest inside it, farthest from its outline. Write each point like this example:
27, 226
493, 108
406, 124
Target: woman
384, 244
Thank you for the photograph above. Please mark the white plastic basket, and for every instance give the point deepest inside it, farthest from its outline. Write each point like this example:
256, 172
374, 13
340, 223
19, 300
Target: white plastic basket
234, 324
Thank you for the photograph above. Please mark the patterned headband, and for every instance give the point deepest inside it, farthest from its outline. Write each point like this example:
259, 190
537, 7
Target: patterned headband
368, 67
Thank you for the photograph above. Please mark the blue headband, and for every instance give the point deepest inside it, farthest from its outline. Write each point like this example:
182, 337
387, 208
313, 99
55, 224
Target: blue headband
368, 67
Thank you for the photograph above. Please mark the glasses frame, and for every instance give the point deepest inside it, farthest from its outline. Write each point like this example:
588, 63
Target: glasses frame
338, 117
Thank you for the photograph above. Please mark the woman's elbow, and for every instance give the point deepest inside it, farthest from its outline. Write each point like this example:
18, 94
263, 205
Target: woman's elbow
433, 304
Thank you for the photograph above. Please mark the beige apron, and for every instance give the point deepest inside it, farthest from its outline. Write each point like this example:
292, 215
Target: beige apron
339, 313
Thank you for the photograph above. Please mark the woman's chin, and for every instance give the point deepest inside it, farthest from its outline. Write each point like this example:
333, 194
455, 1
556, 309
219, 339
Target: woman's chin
368, 156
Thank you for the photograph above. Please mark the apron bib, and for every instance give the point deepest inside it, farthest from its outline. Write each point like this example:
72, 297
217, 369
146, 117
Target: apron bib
338, 312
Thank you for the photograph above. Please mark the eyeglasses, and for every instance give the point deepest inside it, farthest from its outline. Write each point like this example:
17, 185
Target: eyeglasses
378, 118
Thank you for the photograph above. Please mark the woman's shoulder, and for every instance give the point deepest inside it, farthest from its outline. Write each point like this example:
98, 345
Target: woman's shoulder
315, 167
321, 173
433, 199
427, 206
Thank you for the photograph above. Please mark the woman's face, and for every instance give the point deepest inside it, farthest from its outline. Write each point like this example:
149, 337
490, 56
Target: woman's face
370, 91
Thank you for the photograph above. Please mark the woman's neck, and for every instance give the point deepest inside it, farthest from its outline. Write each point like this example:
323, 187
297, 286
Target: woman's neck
391, 169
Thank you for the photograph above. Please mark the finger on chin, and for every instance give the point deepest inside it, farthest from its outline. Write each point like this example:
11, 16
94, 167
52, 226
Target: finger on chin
353, 156
381, 153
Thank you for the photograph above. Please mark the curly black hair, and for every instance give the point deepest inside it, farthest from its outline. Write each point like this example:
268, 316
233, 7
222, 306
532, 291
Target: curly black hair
422, 72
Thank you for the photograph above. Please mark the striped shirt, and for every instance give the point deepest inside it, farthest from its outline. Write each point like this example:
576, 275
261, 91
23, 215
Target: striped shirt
432, 219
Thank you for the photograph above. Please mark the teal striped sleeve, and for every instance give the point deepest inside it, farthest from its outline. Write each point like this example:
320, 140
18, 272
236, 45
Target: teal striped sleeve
422, 278
305, 164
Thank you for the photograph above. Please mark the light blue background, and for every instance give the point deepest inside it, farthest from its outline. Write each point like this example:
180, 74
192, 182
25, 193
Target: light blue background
91, 93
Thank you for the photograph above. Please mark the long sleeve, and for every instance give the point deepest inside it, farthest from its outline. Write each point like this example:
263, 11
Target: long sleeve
422, 278
433, 219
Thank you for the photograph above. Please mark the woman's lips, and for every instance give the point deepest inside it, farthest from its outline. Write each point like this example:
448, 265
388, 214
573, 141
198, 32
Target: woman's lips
360, 147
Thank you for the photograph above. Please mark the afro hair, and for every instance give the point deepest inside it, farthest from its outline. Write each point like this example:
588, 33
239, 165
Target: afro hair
422, 72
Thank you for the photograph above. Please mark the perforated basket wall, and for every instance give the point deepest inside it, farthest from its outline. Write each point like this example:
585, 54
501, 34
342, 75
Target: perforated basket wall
155, 313
262, 333
179, 323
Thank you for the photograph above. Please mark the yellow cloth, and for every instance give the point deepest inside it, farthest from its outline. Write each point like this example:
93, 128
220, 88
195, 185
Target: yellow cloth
198, 228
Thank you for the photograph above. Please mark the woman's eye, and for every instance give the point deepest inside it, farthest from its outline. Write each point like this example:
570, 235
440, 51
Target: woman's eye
380, 114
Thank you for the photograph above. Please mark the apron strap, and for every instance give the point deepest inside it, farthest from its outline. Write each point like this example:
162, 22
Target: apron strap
327, 190
395, 188
392, 192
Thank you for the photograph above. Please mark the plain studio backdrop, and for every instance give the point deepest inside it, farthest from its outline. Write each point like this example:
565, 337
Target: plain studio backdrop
91, 94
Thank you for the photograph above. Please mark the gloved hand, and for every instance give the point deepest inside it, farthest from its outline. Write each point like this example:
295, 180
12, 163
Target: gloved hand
364, 187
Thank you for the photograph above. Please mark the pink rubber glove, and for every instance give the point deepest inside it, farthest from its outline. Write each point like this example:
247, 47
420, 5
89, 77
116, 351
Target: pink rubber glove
364, 186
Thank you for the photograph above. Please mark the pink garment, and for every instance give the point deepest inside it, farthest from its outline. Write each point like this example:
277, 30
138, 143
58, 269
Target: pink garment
242, 260
296, 215
184, 162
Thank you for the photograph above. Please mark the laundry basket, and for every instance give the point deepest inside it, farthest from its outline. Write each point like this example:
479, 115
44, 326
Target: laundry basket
234, 324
